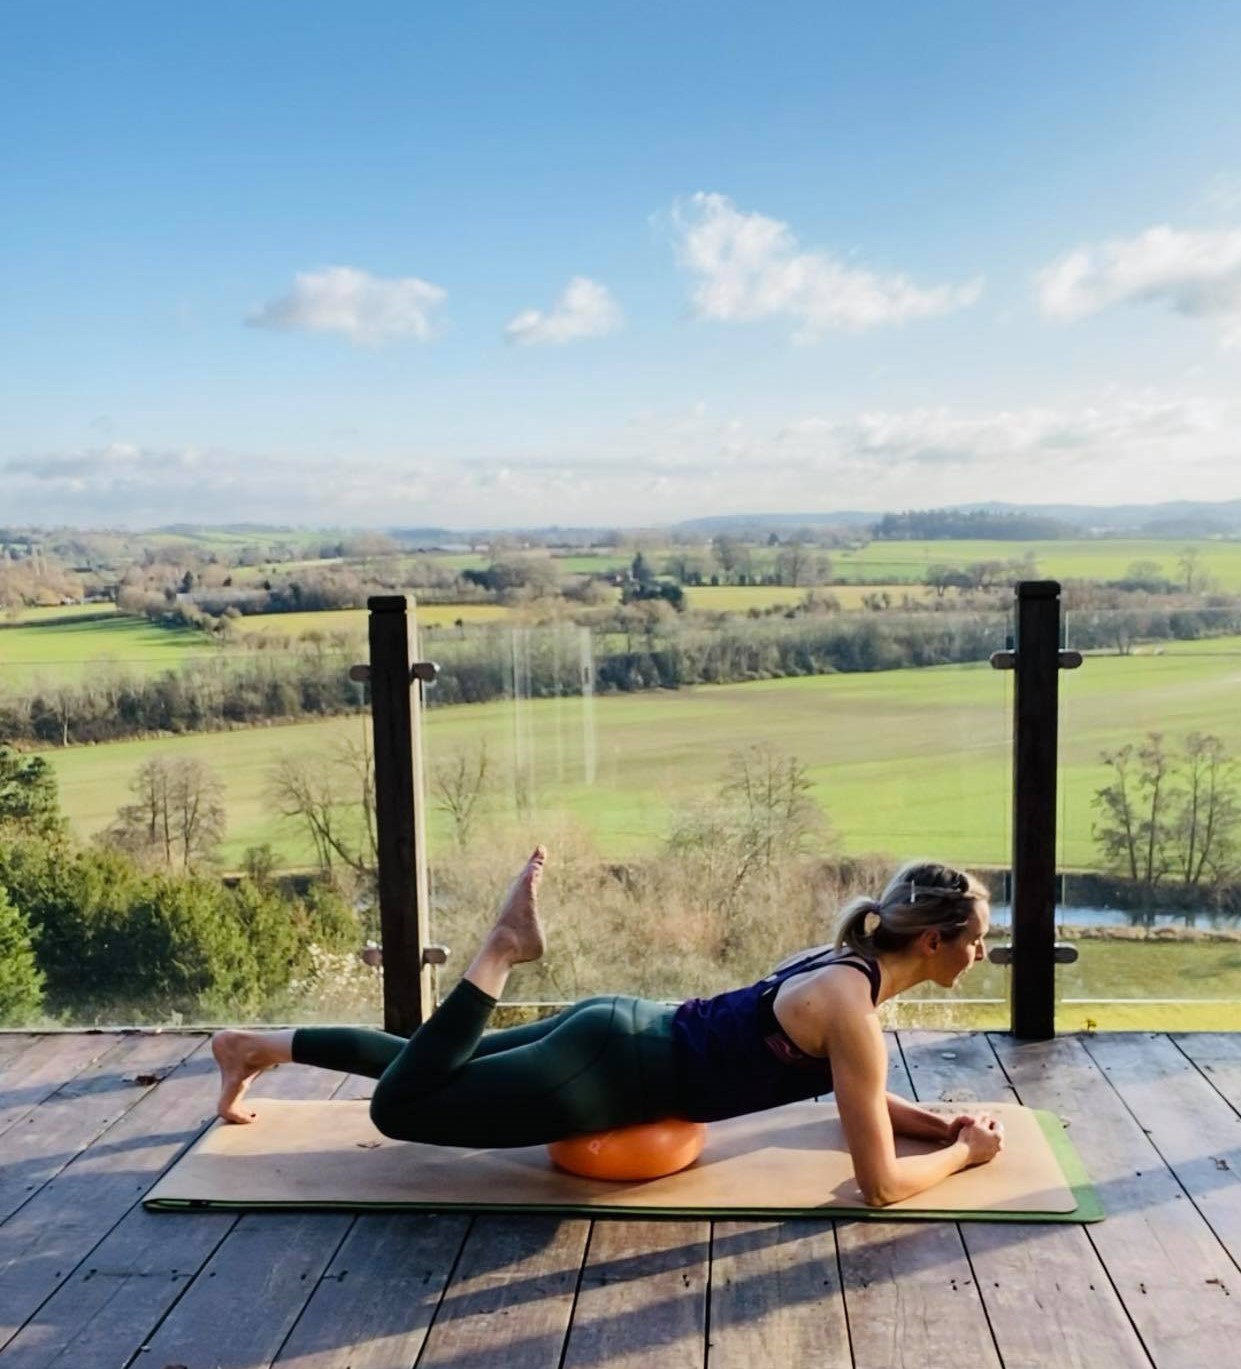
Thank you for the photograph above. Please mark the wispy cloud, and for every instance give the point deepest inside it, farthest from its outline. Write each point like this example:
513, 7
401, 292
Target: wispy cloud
585, 309
1197, 275
368, 310
663, 466
750, 267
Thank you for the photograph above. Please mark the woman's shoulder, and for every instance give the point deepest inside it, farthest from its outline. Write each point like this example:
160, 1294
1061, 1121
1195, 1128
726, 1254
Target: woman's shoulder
810, 953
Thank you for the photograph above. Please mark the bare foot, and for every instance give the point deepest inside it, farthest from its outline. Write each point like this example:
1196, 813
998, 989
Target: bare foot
518, 930
240, 1064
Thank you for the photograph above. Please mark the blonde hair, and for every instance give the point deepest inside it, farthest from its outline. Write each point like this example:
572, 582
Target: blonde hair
922, 896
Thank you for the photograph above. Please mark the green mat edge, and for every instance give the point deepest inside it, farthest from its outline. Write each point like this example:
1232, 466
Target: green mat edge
1088, 1207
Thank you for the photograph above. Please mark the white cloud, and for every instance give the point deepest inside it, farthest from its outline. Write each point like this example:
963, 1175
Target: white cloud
585, 309
368, 310
1138, 447
750, 267
1197, 275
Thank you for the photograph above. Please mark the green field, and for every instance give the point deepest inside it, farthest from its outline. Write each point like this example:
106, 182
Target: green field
1105, 559
743, 598
911, 760
56, 613
65, 651
354, 620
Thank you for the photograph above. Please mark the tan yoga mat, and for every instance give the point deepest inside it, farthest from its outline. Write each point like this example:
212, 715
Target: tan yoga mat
788, 1161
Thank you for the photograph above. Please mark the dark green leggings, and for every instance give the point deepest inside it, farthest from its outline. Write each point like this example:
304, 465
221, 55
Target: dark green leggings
603, 1062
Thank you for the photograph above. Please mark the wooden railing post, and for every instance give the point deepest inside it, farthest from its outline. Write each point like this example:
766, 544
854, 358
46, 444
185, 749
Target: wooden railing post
396, 717
1037, 660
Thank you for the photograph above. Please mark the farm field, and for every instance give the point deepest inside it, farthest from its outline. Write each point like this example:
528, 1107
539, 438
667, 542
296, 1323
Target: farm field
54, 613
1105, 559
891, 561
905, 562
911, 760
354, 620
66, 650
743, 598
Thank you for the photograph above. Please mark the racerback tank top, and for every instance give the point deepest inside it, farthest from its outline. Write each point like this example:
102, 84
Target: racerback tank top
736, 1058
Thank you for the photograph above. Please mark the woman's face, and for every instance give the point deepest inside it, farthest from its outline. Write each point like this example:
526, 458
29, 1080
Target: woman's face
951, 959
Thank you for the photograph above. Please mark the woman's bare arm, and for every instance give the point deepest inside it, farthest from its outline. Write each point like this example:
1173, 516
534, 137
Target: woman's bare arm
908, 1119
858, 1056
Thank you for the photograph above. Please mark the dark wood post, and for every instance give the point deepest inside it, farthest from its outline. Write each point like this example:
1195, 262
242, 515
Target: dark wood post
1035, 729
396, 717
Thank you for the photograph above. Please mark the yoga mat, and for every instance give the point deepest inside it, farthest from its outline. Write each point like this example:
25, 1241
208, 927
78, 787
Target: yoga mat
786, 1162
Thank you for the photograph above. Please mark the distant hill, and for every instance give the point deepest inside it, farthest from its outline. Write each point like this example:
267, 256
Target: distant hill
1175, 519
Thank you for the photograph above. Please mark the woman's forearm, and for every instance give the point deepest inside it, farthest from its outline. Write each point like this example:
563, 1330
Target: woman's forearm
913, 1174
908, 1119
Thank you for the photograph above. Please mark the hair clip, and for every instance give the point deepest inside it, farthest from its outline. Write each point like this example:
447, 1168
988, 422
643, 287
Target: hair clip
870, 923
913, 893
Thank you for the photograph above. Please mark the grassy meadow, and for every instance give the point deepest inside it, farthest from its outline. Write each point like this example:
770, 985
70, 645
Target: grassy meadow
65, 650
898, 563
902, 762
909, 760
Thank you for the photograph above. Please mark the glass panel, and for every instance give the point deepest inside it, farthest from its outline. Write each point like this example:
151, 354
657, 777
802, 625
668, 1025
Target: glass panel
710, 799
174, 734
1150, 832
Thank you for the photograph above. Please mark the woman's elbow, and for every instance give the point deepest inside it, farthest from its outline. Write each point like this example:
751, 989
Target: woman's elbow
878, 1191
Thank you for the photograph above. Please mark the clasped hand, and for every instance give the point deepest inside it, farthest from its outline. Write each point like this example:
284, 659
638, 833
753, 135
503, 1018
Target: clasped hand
981, 1132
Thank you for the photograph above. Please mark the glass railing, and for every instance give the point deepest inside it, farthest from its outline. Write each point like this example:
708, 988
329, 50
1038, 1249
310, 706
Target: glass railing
182, 831
710, 800
1150, 822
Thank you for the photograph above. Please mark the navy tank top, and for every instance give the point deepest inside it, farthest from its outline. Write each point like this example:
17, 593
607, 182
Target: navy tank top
736, 1057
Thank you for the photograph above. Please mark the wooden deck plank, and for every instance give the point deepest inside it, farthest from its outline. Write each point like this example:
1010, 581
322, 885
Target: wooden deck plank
1047, 1294
1218, 1056
1171, 1273
14, 1044
242, 1305
1193, 1127
776, 1299
124, 1286
46, 1140
375, 1301
510, 1299
42, 1244
643, 1297
908, 1286
33, 1075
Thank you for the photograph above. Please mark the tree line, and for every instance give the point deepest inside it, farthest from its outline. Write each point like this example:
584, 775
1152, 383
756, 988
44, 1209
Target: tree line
656, 650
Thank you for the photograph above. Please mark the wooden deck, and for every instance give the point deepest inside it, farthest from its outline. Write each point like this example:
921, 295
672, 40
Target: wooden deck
88, 1278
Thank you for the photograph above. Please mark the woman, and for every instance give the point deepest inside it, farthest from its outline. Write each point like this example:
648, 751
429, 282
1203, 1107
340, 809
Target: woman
811, 1027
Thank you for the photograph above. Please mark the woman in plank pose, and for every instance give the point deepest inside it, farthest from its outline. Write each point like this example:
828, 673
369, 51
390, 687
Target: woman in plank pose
810, 1027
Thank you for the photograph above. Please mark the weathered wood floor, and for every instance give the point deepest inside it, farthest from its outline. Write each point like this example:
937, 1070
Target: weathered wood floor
87, 1278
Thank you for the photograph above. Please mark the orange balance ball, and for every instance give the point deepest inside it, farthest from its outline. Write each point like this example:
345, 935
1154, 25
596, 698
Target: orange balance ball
646, 1151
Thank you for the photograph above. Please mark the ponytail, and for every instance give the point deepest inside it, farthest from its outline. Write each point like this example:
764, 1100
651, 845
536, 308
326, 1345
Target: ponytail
922, 896
859, 921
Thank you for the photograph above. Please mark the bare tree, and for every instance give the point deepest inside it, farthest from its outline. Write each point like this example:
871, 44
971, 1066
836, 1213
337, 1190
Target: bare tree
1210, 814
1164, 816
333, 798
1187, 564
460, 783
763, 815
793, 564
177, 817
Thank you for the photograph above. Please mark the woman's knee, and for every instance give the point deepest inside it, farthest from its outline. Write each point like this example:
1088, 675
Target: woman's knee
393, 1116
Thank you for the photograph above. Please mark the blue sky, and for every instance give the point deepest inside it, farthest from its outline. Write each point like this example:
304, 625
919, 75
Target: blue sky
614, 263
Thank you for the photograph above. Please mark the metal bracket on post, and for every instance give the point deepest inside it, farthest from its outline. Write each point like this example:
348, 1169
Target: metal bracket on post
426, 671
1036, 660
1065, 953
